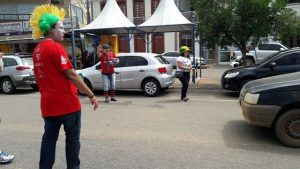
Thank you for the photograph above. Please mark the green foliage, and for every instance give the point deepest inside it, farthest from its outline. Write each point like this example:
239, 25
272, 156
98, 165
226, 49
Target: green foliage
236, 22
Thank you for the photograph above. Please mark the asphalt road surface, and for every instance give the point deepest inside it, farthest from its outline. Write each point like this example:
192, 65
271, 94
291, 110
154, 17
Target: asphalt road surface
139, 132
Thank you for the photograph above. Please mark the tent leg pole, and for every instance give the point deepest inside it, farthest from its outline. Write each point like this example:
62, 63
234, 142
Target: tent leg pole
128, 39
148, 43
193, 51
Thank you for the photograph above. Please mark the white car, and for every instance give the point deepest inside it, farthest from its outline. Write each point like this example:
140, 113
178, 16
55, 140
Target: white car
17, 72
172, 56
259, 53
142, 71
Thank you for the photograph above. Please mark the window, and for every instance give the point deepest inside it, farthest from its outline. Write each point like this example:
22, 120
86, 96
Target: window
78, 13
135, 61
121, 62
27, 61
122, 5
172, 54
138, 11
9, 62
186, 39
161, 59
154, 5
289, 59
293, 1
269, 47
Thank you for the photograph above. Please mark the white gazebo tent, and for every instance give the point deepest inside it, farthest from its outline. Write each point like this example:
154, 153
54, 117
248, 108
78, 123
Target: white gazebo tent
167, 18
111, 20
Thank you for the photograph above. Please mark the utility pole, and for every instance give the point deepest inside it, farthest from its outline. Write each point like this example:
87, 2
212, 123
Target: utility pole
88, 11
72, 38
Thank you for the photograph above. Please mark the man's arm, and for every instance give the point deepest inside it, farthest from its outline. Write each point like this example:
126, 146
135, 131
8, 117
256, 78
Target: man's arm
78, 82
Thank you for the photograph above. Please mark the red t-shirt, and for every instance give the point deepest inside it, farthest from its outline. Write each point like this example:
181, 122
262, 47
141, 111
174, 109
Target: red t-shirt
106, 67
58, 94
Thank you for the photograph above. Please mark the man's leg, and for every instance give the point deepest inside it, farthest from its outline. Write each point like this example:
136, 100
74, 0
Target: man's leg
112, 80
72, 125
105, 87
47, 156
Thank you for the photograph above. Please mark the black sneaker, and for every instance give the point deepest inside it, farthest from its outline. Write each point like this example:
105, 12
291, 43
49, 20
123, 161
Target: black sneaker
113, 99
185, 99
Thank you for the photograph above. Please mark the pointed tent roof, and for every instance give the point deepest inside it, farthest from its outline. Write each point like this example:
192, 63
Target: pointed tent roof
166, 18
111, 20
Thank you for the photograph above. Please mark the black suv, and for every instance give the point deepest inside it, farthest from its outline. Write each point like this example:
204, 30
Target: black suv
274, 102
287, 61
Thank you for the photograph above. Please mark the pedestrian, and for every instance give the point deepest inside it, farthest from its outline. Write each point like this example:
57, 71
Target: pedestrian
1, 62
56, 79
108, 59
5, 158
184, 65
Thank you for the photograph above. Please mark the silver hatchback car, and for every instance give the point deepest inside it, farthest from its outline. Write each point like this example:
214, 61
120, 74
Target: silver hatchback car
17, 72
140, 71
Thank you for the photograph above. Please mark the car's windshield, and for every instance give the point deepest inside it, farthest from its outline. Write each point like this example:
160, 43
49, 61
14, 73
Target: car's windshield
267, 58
161, 59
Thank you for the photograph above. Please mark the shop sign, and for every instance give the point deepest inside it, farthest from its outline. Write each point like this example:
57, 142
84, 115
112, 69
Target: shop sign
11, 27
67, 23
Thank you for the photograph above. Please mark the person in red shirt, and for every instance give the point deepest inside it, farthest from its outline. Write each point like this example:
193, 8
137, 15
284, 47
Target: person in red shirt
57, 82
108, 59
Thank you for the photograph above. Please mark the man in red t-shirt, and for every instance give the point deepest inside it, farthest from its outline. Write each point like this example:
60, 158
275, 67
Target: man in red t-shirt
108, 59
56, 81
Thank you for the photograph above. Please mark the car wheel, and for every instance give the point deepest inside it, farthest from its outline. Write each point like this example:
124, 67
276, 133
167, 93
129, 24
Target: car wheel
249, 61
89, 85
151, 87
7, 86
243, 83
287, 128
35, 87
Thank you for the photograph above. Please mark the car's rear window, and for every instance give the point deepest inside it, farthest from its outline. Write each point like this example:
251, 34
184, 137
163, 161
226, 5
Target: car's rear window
27, 61
161, 59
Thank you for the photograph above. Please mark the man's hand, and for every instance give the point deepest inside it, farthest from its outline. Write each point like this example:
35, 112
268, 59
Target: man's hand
94, 101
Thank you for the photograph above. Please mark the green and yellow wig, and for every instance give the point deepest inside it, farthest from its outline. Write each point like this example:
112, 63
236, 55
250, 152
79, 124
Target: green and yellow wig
43, 18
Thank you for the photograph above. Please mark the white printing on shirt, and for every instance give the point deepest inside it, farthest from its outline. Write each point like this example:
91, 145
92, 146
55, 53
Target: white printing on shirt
185, 61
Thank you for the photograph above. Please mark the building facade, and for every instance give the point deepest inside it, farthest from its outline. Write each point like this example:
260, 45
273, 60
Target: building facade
15, 32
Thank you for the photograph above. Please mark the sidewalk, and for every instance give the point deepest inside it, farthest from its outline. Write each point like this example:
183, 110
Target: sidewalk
210, 78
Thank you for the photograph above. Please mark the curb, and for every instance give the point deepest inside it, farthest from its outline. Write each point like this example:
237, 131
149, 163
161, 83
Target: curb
201, 83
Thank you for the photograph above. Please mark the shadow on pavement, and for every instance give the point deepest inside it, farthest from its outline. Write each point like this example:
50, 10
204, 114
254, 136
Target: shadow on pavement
22, 91
240, 135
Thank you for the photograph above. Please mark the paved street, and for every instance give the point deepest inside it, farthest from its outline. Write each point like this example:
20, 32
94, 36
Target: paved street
139, 132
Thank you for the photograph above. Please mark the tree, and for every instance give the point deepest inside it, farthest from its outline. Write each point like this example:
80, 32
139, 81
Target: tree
237, 22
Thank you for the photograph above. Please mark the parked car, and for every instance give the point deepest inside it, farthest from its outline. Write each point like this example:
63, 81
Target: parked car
149, 72
17, 72
274, 102
172, 56
282, 62
260, 52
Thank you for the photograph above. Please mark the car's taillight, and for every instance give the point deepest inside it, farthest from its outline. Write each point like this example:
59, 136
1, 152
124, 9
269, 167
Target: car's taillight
162, 70
20, 68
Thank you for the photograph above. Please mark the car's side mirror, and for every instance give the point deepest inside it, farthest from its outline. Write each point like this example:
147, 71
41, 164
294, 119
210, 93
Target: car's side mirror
272, 65
281, 49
